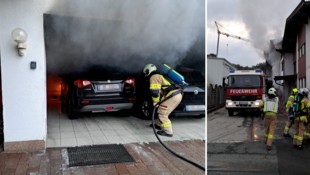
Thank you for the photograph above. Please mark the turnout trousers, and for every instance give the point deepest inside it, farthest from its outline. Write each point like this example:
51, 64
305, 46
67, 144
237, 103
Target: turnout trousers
299, 130
164, 110
270, 122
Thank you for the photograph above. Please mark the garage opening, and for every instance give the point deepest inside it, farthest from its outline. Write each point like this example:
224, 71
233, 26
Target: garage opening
94, 65
86, 78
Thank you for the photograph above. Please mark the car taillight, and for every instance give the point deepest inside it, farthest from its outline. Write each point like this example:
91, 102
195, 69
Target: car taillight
82, 83
130, 81
85, 101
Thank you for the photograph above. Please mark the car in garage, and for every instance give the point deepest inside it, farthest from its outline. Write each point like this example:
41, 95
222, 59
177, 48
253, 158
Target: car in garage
97, 90
193, 101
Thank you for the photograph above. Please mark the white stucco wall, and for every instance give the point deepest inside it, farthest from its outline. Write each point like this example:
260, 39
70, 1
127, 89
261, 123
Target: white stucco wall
307, 33
217, 68
214, 72
24, 90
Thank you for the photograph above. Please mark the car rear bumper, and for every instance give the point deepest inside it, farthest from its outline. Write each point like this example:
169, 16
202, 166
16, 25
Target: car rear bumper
188, 110
106, 107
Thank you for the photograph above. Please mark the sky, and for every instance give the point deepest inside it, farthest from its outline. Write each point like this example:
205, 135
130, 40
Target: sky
257, 21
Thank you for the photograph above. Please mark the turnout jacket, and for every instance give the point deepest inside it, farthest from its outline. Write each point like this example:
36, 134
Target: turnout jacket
270, 106
159, 87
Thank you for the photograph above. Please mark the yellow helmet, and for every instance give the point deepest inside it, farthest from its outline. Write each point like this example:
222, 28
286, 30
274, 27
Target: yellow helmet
294, 91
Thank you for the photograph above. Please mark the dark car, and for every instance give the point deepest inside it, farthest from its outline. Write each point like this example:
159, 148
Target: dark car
193, 101
98, 90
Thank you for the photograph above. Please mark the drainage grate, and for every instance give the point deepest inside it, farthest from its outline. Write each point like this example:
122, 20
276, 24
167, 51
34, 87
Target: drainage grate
98, 154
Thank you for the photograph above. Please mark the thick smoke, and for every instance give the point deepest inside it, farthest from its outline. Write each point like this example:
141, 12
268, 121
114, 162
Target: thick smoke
265, 20
123, 34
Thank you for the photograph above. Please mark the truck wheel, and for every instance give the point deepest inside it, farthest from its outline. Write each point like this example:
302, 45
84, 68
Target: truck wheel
259, 113
230, 112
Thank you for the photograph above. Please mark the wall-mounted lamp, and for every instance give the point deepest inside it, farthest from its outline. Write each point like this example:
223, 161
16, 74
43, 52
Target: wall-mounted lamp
20, 37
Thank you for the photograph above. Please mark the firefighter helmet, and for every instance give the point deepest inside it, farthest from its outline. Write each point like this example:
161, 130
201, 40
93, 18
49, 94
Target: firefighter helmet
305, 91
148, 69
294, 91
272, 91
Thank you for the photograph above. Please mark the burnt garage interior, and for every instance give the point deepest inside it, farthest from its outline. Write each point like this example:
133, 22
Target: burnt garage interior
76, 45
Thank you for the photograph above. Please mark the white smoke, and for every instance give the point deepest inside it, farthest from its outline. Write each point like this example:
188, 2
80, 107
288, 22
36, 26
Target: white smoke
127, 34
265, 20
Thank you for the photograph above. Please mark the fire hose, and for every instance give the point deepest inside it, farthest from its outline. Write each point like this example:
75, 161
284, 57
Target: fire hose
164, 145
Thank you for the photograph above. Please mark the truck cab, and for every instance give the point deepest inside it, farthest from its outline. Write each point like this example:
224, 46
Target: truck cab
245, 89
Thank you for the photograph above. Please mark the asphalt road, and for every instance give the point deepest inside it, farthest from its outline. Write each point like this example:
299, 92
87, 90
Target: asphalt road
236, 147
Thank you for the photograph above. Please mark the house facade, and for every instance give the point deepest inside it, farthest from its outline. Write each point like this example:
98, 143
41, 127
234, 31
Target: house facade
295, 61
26, 65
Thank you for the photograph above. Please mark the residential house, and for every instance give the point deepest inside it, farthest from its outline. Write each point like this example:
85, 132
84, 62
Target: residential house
295, 62
217, 68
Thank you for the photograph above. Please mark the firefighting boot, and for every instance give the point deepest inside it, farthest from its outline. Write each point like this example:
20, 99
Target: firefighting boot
163, 133
156, 126
299, 147
268, 148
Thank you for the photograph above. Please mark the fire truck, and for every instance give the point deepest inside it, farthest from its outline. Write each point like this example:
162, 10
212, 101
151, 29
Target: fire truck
245, 89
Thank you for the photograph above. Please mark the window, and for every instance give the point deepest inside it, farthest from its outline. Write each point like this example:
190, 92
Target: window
245, 81
301, 51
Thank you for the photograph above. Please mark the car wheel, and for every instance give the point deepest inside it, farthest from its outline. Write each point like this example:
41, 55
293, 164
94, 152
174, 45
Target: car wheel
146, 110
70, 107
230, 112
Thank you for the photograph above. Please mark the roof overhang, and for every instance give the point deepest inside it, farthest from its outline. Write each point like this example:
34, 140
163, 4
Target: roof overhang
285, 77
297, 18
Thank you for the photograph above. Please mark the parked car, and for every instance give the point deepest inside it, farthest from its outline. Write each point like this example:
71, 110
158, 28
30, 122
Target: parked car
193, 101
97, 90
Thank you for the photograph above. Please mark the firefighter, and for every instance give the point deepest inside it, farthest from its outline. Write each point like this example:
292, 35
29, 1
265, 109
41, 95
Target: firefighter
290, 112
165, 95
301, 119
270, 108
306, 138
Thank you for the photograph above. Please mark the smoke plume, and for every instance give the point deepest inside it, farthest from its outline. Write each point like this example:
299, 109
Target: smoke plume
123, 34
265, 20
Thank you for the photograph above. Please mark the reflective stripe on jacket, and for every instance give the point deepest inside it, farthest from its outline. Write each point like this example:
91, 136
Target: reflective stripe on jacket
304, 106
271, 105
289, 102
157, 84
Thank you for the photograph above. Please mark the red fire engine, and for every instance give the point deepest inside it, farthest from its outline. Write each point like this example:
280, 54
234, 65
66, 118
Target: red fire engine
244, 90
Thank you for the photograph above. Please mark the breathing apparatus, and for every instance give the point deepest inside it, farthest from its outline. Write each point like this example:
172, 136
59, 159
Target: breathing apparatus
173, 75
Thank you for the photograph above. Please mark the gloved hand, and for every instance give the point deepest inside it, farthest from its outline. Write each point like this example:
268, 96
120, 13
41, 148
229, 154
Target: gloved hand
154, 104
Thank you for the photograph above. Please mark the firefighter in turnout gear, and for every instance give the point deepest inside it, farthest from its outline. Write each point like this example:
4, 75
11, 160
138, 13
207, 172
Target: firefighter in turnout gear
270, 108
306, 138
165, 95
301, 118
289, 110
